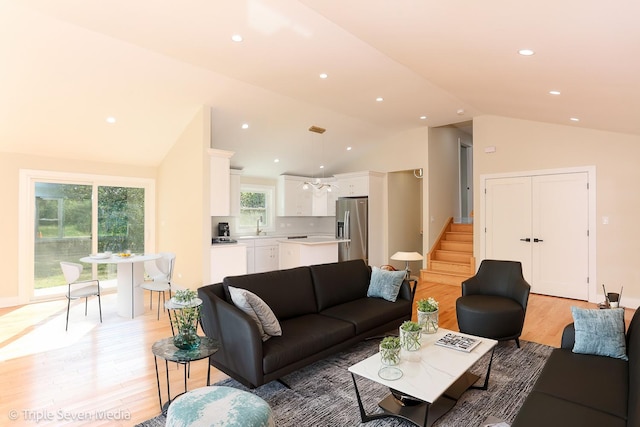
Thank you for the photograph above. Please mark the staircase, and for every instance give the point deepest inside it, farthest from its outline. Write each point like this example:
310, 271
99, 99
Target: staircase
451, 260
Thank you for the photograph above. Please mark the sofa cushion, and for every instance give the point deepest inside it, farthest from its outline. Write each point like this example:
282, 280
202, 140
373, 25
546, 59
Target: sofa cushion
368, 313
385, 284
587, 380
289, 293
541, 409
340, 282
258, 310
599, 332
301, 337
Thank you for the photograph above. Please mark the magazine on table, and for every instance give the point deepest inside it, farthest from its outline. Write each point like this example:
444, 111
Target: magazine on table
458, 342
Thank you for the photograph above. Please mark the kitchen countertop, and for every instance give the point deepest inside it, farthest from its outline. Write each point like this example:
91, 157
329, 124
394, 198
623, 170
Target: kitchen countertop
314, 240
305, 238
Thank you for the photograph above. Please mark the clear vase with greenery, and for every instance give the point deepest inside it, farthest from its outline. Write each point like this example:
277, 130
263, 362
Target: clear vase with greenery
410, 335
185, 320
390, 351
428, 315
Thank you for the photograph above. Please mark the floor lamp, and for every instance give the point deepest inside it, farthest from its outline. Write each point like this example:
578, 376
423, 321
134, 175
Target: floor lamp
407, 257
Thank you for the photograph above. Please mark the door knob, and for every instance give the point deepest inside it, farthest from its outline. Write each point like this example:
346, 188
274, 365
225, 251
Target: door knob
538, 240
525, 240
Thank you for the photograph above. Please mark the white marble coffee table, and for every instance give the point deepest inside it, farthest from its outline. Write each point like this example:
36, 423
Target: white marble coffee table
436, 376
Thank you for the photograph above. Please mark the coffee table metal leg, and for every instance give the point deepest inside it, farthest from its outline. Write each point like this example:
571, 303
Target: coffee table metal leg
363, 415
486, 378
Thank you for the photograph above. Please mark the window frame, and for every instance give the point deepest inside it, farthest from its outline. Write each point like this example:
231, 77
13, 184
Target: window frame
270, 208
27, 212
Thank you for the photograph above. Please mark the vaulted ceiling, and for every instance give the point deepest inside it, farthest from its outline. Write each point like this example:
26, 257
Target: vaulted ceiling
68, 65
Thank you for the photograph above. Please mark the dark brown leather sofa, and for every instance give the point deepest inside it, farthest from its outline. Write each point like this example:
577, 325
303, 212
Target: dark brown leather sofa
580, 390
322, 309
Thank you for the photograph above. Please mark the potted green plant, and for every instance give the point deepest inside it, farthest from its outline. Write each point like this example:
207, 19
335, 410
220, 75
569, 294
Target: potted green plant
390, 351
428, 315
185, 320
410, 335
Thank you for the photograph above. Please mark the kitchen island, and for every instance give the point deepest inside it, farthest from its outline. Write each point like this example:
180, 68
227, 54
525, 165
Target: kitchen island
308, 251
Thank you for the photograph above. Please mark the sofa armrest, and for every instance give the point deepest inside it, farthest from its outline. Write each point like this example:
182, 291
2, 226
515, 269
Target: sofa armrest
568, 337
240, 342
407, 291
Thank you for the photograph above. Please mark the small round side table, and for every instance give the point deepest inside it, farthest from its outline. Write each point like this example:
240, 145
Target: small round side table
165, 349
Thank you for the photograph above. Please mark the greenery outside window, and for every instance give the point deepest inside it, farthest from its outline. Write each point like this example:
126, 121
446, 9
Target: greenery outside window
256, 203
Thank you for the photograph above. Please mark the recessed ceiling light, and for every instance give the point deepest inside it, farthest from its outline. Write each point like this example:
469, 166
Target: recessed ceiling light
323, 75
574, 119
423, 117
111, 120
379, 99
554, 92
321, 166
245, 126
237, 38
526, 52
348, 148
276, 160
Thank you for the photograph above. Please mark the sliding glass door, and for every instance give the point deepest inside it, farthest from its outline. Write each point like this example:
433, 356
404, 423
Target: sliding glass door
71, 220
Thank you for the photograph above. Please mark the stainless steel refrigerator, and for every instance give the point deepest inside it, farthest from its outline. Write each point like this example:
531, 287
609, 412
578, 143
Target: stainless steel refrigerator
352, 215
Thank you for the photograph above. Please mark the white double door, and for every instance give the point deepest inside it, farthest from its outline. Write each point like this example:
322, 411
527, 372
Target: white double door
543, 222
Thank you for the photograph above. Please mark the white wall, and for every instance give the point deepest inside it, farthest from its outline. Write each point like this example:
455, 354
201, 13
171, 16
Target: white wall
183, 207
523, 145
443, 171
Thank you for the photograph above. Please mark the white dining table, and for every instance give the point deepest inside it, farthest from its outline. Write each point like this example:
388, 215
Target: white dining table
130, 274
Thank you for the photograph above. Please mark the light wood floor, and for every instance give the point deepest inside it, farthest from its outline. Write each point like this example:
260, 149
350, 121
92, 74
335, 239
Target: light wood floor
104, 375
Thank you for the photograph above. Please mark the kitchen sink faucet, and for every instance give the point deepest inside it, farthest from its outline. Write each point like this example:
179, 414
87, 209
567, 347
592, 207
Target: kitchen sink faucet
258, 231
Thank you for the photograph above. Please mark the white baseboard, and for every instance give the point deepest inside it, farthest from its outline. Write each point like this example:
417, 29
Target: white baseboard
9, 302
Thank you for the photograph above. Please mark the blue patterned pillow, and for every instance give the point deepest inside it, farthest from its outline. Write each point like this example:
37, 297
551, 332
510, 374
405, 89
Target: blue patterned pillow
599, 332
385, 284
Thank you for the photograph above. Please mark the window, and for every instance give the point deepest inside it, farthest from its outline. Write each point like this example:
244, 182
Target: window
256, 204
67, 216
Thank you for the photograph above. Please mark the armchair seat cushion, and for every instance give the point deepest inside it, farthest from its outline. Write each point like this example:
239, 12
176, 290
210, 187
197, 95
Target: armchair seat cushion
489, 316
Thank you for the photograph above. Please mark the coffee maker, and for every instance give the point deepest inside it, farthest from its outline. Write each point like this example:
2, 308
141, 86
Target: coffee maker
223, 229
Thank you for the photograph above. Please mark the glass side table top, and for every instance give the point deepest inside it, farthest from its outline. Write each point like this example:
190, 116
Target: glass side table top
172, 304
165, 349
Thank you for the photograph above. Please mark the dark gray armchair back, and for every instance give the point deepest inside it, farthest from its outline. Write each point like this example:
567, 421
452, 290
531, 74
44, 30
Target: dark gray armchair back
501, 278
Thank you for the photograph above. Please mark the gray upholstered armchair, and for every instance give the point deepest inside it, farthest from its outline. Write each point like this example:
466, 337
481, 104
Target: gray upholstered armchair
494, 301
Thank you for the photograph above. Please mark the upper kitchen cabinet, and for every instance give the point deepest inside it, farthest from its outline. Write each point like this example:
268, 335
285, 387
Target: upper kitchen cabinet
293, 200
220, 182
235, 191
356, 184
324, 200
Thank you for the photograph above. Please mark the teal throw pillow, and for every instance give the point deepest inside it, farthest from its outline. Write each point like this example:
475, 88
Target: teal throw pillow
385, 284
599, 332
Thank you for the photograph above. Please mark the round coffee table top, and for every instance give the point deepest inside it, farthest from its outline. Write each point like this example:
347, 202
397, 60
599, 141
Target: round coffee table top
165, 349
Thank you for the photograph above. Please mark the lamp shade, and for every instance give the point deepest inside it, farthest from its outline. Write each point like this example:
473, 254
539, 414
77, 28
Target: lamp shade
406, 256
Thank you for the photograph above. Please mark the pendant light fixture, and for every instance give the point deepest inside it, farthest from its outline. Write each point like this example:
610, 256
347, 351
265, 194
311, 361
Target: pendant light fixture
318, 183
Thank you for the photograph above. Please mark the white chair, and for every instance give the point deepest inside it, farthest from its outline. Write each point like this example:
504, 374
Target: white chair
72, 272
160, 271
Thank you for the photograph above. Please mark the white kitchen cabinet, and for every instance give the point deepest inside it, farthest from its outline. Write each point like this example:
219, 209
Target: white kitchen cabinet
220, 182
266, 255
353, 184
293, 200
234, 195
251, 259
324, 201
227, 259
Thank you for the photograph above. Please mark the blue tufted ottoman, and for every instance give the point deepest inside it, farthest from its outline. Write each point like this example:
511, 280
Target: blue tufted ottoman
219, 406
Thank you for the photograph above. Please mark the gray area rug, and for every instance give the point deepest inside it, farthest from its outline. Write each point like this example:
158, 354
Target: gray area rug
322, 394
